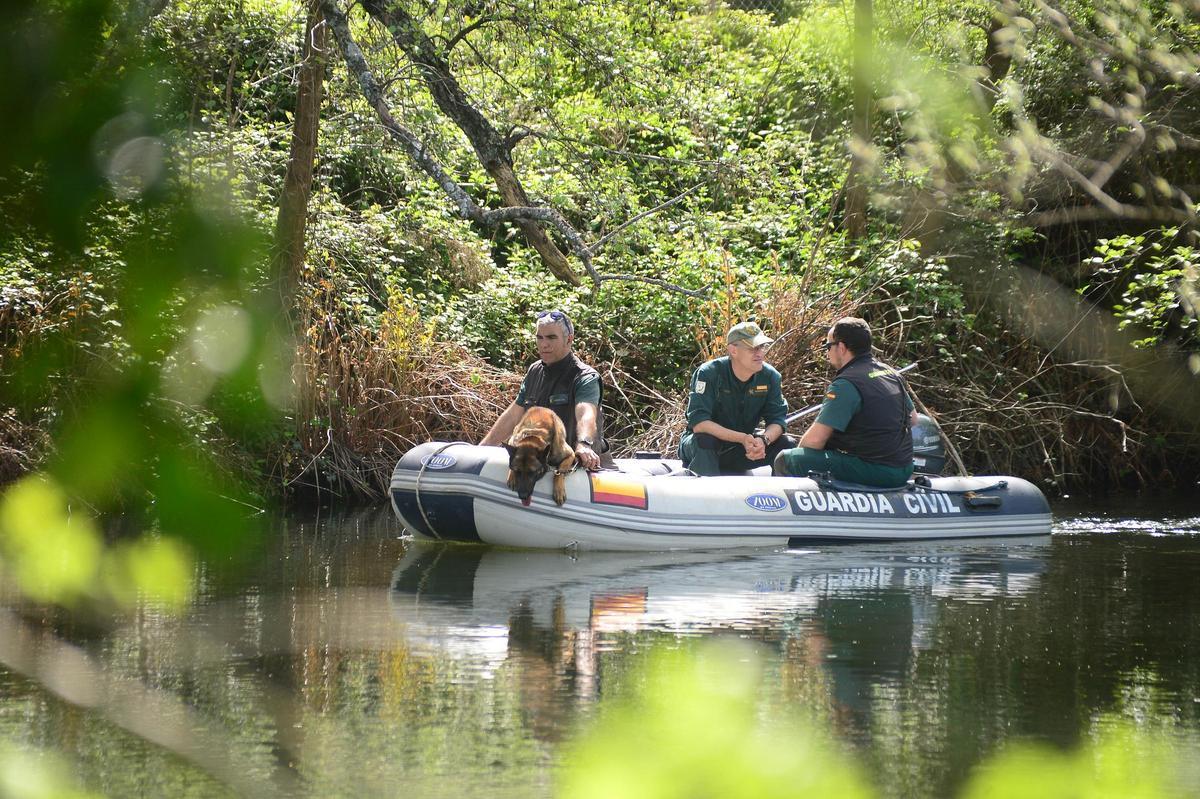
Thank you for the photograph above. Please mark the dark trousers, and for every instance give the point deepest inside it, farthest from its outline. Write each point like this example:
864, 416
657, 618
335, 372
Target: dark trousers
706, 454
841, 466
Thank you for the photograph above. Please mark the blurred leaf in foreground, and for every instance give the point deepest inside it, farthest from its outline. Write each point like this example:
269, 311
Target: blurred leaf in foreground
57, 555
155, 569
51, 552
691, 728
1124, 762
27, 774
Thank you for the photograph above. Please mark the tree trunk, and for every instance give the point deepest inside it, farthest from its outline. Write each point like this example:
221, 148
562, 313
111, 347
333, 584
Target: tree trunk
292, 221
856, 180
494, 152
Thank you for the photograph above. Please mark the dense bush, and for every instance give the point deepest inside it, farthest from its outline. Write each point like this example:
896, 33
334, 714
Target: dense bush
744, 108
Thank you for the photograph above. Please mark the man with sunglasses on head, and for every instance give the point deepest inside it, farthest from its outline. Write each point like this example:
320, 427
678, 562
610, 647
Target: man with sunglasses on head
862, 432
564, 384
729, 397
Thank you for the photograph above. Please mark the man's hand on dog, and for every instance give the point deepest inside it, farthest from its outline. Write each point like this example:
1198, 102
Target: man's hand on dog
587, 457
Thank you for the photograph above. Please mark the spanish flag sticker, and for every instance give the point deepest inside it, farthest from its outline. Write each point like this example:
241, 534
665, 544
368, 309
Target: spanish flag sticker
611, 488
619, 611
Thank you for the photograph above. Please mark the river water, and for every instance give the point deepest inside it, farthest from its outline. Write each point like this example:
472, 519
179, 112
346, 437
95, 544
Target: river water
347, 661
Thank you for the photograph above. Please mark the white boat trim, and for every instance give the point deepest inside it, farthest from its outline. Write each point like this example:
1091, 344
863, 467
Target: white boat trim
687, 512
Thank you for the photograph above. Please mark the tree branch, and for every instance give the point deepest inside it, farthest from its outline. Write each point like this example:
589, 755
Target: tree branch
356, 62
1063, 24
69, 674
1177, 136
1098, 194
466, 206
1088, 213
453, 101
661, 206
516, 135
474, 26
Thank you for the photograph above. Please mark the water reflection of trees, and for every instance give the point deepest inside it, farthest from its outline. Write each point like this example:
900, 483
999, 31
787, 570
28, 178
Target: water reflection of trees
925, 668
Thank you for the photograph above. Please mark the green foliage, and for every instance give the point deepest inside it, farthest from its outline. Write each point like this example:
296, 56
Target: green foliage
225, 63
139, 169
52, 556
689, 723
31, 774
1123, 761
135, 198
1151, 276
690, 726
59, 556
133, 295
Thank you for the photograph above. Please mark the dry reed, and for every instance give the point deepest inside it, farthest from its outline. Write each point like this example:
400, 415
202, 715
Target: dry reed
366, 395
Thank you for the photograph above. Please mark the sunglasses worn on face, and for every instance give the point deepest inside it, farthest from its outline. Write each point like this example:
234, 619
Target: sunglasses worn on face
828, 345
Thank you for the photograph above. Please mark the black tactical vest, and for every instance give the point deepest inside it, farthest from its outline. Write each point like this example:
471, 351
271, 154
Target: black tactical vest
879, 432
553, 387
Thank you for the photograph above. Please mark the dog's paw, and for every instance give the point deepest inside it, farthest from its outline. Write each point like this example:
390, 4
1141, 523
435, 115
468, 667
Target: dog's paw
560, 491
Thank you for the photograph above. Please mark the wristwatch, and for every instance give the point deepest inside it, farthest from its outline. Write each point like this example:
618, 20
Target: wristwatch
763, 436
587, 441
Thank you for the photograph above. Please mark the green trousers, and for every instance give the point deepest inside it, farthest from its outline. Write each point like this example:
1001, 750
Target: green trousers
800, 461
707, 455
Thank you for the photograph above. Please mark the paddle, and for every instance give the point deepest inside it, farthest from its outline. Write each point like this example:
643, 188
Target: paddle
800, 414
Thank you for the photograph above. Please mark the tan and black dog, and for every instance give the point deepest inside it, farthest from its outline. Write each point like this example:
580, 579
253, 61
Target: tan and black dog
538, 442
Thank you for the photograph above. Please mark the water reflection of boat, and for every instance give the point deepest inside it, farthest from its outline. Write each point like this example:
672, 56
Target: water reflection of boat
457, 492
466, 599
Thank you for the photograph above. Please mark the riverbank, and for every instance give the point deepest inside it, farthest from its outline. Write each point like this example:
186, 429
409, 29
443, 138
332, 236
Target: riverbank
237, 283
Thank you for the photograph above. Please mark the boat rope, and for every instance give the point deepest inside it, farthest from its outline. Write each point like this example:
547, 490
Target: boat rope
424, 581
417, 491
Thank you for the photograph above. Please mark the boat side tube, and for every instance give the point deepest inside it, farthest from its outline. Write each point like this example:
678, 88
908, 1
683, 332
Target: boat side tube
458, 492
439, 515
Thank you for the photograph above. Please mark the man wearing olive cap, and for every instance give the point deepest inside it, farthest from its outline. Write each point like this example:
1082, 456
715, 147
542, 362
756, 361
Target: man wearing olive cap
729, 397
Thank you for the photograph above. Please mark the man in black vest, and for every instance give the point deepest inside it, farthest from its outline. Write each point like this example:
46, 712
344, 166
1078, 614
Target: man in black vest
862, 433
564, 384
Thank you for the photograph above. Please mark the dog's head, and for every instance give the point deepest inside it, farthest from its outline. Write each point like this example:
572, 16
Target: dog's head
526, 465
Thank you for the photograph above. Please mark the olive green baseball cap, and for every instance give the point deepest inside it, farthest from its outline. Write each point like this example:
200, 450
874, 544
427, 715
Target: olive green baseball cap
747, 333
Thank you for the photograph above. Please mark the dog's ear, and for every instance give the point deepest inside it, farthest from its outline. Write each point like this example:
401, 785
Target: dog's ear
511, 449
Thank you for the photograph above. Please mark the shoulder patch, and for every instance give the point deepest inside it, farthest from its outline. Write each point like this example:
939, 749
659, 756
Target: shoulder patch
700, 386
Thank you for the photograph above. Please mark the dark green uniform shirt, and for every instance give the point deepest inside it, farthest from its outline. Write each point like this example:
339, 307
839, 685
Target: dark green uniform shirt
587, 389
718, 396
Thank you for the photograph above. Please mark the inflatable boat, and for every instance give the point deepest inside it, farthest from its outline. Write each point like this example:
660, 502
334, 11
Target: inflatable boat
452, 491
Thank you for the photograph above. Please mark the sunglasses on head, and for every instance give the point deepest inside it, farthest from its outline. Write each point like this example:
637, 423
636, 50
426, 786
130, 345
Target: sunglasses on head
556, 316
